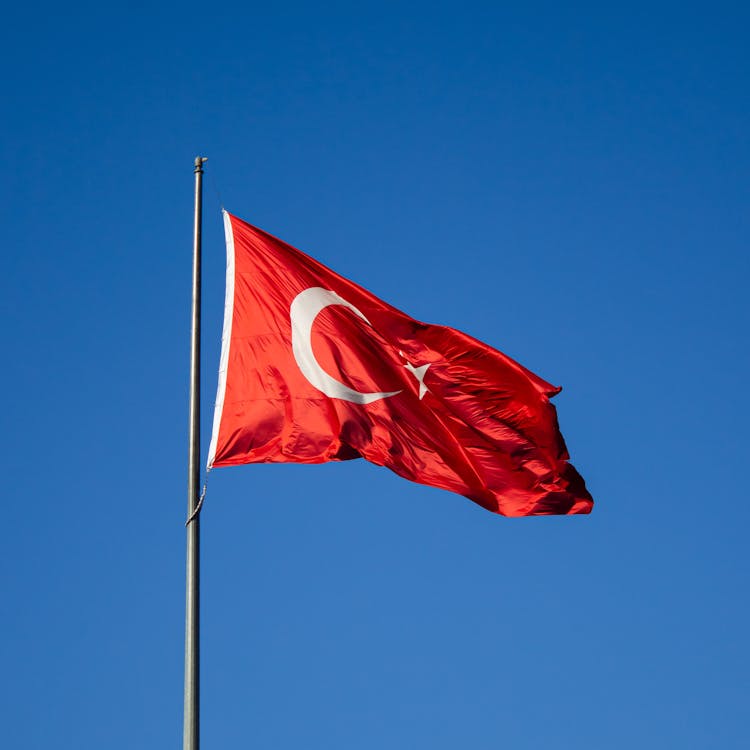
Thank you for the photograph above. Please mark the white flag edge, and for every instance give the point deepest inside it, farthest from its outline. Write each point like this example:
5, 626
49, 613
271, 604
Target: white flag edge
226, 337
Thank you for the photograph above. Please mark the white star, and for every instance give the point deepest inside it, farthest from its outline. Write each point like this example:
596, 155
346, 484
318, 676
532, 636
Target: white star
418, 373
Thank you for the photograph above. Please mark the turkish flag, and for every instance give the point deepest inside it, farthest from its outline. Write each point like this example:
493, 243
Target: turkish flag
315, 368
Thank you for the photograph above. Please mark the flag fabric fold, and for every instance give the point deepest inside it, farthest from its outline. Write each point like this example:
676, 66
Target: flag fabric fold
315, 368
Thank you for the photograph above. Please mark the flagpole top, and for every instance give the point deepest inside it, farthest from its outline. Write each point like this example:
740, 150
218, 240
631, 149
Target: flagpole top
199, 163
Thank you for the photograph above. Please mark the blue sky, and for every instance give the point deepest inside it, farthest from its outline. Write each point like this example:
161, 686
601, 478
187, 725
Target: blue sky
569, 184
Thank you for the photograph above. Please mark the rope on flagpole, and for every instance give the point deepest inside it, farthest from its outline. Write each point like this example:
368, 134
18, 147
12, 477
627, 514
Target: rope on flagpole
215, 188
199, 505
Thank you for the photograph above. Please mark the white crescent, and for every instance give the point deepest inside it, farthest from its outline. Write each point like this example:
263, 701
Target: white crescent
304, 309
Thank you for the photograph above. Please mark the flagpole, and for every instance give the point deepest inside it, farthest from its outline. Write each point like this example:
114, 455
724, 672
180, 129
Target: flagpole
191, 726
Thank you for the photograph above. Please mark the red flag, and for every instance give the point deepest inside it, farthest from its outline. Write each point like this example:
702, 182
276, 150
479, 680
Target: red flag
315, 368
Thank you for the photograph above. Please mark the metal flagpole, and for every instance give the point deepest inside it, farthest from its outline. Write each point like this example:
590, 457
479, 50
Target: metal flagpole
191, 727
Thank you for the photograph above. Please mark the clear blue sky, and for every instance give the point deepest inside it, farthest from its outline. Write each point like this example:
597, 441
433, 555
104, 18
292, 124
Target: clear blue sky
570, 184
